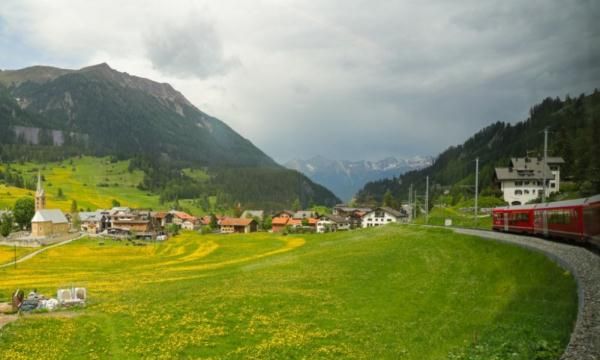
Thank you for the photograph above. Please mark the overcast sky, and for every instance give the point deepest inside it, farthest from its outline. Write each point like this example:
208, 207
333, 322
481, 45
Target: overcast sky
346, 79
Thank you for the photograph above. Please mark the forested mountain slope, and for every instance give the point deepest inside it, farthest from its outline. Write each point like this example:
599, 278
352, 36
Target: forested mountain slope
49, 114
574, 125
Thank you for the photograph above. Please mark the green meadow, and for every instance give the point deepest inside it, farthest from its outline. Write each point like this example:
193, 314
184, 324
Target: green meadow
438, 215
394, 292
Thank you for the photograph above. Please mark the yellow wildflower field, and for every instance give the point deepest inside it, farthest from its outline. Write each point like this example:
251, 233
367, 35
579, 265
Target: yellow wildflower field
393, 292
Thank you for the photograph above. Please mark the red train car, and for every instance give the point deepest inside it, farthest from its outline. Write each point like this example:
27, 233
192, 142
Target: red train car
591, 220
517, 219
577, 220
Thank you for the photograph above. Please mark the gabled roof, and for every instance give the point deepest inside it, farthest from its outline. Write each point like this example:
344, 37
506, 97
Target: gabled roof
528, 168
54, 215
236, 222
183, 215
279, 221
335, 218
90, 216
389, 210
303, 214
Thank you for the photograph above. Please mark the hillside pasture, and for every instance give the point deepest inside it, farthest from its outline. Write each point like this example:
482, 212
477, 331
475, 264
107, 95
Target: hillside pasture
93, 182
394, 292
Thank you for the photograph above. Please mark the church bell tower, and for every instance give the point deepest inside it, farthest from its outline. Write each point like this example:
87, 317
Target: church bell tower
40, 195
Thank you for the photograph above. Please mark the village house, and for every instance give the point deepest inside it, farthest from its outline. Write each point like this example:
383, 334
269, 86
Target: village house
139, 223
330, 223
163, 218
47, 222
382, 216
93, 222
352, 214
185, 220
237, 225
523, 180
278, 224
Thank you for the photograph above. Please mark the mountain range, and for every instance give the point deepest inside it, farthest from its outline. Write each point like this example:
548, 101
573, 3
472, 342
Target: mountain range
346, 177
50, 112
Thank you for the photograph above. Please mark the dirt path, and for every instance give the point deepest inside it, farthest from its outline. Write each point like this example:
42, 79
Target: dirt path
30, 255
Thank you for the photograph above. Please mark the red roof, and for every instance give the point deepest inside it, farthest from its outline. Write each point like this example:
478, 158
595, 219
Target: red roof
295, 222
184, 216
236, 222
279, 221
312, 221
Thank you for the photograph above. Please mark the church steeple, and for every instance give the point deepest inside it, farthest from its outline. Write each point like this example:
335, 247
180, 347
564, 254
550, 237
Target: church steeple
40, 195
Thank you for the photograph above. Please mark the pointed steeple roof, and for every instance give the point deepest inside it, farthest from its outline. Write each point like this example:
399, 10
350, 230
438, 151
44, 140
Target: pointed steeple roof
39, 191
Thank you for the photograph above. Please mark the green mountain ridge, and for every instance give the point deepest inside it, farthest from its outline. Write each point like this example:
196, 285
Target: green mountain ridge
131, 117
574, 125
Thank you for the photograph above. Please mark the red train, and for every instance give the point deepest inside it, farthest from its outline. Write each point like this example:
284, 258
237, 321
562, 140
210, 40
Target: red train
577, 220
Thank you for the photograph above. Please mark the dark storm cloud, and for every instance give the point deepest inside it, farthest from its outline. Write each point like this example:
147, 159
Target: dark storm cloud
191, 49
351, 79
439, 73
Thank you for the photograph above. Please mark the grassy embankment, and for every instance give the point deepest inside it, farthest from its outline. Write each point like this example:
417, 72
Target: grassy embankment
389, 292
7, 253
92, 182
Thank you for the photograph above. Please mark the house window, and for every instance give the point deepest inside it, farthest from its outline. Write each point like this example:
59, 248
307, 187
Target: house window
533, 191
552, 185
526, 192
526, 183
518, 192
518, 183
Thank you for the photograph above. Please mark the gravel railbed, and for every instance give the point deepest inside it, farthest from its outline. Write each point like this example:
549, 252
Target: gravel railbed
585, 267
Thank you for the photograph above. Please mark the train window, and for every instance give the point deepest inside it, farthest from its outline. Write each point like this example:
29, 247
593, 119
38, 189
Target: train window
560, 216
518, 217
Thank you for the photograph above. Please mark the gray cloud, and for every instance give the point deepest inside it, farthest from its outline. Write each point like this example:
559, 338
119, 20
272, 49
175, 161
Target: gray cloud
350, 79
190, 49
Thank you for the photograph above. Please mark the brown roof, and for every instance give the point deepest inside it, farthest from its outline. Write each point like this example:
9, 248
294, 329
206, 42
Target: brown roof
160, 214
236, 221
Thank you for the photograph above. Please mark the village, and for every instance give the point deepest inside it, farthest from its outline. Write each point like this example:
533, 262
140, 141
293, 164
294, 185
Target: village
52, 225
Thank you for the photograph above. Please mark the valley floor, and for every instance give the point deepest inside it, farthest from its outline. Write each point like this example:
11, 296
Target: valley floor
389, 292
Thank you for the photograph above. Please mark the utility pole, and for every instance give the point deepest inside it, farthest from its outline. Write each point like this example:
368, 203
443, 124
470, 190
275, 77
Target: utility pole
545, 164
476, 186
415, 202
427, 199
410, 206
